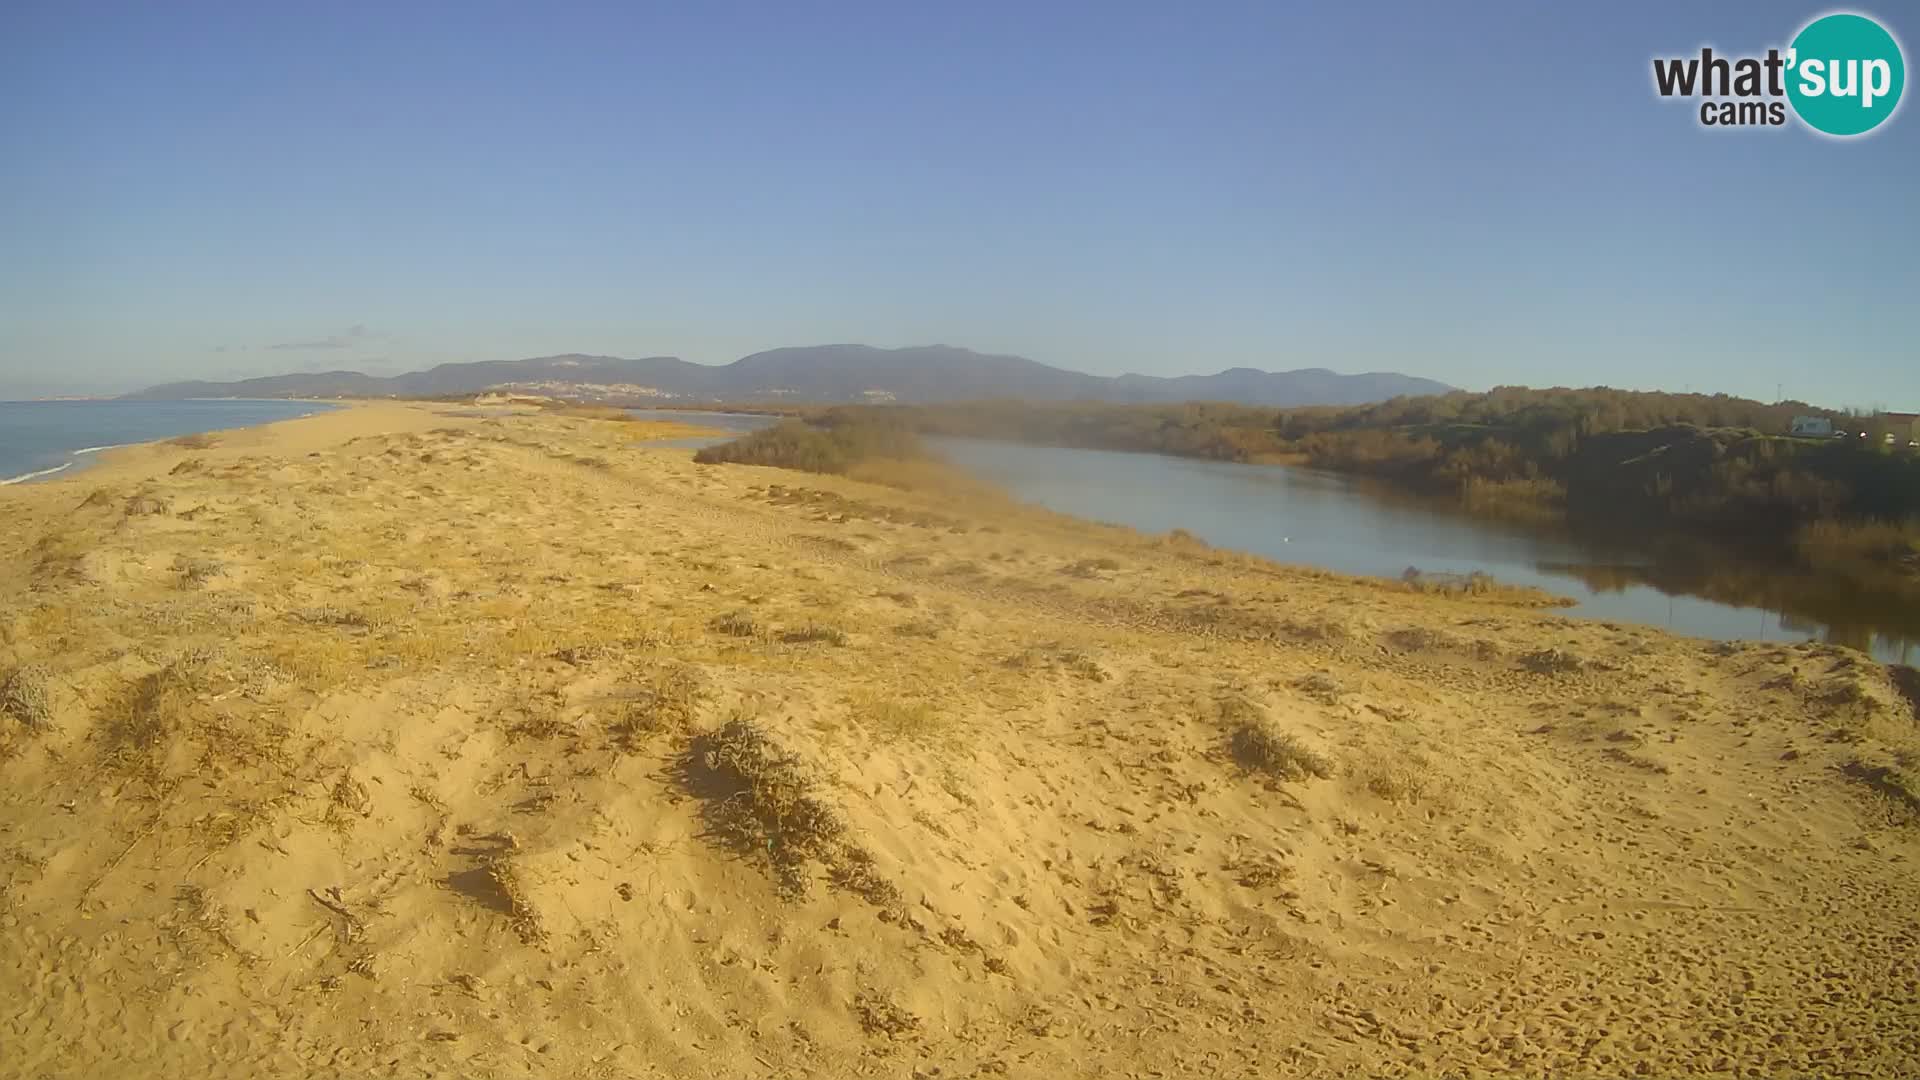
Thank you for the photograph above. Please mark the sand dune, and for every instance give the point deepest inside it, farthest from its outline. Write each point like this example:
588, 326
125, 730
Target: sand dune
407, 740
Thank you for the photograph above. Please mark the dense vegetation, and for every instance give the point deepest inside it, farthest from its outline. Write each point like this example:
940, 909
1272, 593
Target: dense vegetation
793, 444
1640, 460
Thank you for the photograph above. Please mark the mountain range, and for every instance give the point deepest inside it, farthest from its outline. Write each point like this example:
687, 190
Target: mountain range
821, 373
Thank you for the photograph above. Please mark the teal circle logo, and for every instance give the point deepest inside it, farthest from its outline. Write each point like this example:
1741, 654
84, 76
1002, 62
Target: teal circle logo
1845, 74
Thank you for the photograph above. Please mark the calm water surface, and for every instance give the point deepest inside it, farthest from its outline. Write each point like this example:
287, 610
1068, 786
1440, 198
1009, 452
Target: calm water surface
1339, 523
1346, 524
50, 438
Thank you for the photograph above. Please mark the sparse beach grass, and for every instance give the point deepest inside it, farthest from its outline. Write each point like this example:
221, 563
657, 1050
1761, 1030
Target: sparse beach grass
411, 714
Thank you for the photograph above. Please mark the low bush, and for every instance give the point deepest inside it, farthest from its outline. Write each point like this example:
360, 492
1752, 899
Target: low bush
763, 801
1259, 744
792, 444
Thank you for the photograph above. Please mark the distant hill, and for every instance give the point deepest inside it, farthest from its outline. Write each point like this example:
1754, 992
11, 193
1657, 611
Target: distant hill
823, 373
1249, 386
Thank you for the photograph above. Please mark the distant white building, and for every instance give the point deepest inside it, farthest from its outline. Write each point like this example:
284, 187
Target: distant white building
1812, 426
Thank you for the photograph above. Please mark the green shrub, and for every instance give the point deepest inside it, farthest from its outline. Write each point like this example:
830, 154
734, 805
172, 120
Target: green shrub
793, 444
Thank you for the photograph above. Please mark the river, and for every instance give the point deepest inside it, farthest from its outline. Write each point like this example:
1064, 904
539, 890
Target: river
1335, 522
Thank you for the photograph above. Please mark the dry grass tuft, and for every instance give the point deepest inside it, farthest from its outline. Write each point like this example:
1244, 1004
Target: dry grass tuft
199, 916
668, 700
1181, 538
537, 719
762, 801
765, 800
1422, 639
521, 914
320, 663
735, 624
895, 719
255, 742
196, 572
1321, 686
332, 616
349, 797
221, 829
1551, 662
1480, 585
1848, 690
496, 883
1259, 872
1320, 629
1906, 682
526, 639
1236, 711
1636, 761
1900, 786
854, 871
1082, 666
1856, 713
1090, 569
1404, 782
205, 440
61, 553
879, 1016
417, 648
832, 542
1057, 658
1259, 744
28, 699
815, 632
153, 710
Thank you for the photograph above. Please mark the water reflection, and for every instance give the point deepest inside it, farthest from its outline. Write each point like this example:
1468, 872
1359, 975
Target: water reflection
1359, 527
1340, 523
1802, 605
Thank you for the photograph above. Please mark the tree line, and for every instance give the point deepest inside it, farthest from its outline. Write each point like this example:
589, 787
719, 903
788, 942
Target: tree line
1701, 461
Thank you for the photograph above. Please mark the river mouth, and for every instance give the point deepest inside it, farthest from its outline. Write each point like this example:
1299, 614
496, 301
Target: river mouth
1296, 515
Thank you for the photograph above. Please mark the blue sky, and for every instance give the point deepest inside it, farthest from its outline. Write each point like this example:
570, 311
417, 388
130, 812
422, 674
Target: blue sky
1480, 193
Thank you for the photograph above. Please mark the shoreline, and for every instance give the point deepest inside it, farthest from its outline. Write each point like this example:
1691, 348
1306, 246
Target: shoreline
107, 455
485, 731
89, 458
1618, 576
31, 476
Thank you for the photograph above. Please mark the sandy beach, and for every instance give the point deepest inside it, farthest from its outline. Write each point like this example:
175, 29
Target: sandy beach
413, 740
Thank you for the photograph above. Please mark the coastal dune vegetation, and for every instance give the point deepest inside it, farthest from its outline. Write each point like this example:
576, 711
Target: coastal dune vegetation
1711, 464
834, 446
410, 739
